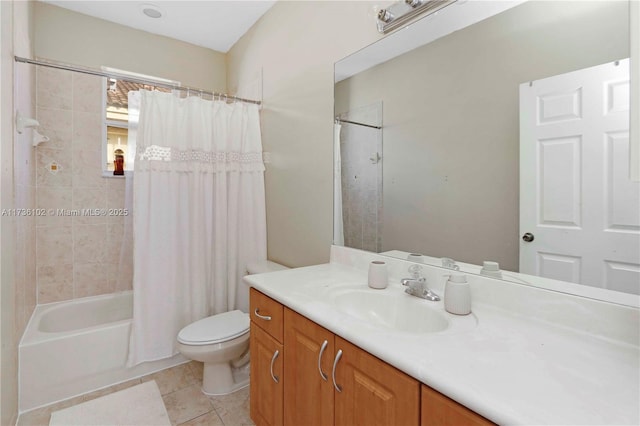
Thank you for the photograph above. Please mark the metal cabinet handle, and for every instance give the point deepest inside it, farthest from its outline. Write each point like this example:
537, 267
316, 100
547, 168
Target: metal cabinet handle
273, 359
333, 373
324, 346
263, 317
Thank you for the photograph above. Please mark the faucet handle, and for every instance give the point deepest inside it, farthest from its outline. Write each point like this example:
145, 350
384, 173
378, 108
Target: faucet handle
415, 271
449, 263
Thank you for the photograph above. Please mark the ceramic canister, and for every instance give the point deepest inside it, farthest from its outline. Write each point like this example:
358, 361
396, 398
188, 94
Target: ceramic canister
378, 277
457, 295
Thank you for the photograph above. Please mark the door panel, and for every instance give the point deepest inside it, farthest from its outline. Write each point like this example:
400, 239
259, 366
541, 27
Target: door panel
309, 396
622, 196
266, 395
373, 392
562, 267
576, 196
559, 182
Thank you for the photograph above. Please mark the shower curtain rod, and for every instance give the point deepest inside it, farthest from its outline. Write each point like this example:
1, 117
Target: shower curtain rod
339, 120
132, 79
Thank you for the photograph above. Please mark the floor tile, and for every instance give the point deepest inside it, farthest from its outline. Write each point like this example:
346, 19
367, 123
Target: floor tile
233, 409
209, 419
172, 379
110, 389
196, 370
42, 415
39, 417
186, 404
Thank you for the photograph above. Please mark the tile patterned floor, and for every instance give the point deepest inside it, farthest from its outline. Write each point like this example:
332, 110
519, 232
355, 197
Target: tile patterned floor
180, 389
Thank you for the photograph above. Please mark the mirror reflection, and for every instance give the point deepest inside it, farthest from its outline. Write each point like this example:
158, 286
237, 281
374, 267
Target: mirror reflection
505, 141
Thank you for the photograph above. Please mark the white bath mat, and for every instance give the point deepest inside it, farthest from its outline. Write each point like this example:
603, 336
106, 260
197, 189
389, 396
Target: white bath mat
140, 405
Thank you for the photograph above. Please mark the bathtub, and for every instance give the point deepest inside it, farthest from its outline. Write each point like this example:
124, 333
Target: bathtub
78, 346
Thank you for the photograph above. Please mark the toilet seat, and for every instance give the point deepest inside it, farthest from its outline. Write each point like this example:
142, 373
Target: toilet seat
215, 329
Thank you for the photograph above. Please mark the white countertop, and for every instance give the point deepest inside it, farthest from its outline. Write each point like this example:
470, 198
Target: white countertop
510, 368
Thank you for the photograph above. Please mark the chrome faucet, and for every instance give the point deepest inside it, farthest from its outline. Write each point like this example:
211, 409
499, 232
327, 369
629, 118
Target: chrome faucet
417, 285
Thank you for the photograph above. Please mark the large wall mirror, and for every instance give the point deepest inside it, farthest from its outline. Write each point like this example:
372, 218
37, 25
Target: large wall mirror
506, 140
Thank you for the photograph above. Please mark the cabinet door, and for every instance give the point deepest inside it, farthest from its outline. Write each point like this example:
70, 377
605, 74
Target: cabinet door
267, 378
308, 394
266, 313
438, 410
373, 392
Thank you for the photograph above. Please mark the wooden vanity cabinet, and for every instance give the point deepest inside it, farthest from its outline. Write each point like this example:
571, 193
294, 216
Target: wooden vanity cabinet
299, 389
267, 401
267, 314
439, 410
373, 392
309, 389
267, 360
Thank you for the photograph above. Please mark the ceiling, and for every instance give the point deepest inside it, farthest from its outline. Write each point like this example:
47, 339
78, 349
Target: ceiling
216, 24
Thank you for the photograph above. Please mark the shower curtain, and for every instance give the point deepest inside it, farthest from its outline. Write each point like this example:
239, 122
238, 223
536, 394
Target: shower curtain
199, 215
124, 278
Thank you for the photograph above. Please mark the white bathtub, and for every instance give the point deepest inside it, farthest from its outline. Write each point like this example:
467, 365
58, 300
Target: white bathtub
77, 346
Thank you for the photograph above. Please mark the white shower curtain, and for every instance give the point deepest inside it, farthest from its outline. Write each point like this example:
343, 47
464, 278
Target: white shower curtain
199, 215
124, 279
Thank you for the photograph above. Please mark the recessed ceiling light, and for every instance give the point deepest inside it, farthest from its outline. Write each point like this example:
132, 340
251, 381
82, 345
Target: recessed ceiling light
151, 10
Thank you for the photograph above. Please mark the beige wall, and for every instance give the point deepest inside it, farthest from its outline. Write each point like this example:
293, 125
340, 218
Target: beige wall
17, 254
295, 44
451, 153
74, 38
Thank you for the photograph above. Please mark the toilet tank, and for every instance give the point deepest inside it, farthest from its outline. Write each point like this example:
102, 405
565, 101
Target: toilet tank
263, 266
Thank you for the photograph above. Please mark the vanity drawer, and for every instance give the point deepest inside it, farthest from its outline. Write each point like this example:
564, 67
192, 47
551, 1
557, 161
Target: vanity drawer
267, 314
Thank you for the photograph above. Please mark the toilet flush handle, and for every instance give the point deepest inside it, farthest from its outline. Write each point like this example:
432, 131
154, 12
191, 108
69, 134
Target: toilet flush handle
263, 317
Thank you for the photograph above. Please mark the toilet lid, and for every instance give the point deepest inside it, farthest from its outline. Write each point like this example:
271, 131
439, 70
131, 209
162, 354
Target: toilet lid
215, 329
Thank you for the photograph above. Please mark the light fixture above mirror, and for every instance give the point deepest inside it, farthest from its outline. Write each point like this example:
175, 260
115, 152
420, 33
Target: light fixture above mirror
403, 12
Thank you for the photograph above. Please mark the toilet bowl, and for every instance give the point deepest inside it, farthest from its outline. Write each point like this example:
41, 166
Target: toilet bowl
221, 342
216, 341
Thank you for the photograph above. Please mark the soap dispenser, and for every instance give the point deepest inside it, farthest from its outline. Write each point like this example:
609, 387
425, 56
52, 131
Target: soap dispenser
457, 294
491, 269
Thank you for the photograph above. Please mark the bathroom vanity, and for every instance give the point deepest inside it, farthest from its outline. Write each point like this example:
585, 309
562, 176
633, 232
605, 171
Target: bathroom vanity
301, 390
326, 349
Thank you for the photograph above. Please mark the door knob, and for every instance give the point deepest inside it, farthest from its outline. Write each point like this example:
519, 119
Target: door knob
528, 237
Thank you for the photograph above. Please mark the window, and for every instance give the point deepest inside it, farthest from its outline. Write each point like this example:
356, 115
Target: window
116, 120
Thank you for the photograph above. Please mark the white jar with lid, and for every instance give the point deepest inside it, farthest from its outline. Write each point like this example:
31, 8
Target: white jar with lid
491, 269
378, 277
457, 294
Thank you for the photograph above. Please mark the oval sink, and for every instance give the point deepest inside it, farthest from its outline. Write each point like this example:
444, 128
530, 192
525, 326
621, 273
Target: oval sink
393, 311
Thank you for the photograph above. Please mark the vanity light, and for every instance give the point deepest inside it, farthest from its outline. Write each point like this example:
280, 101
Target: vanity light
414, 3
385, 16
401, 13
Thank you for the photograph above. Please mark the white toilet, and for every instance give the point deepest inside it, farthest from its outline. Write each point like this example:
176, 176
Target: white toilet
221, 342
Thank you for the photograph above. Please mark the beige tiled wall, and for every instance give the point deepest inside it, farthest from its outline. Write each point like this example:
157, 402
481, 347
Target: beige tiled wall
77, 256
24, 198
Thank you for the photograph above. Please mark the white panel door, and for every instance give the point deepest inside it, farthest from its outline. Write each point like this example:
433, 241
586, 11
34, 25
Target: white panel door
579, 211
